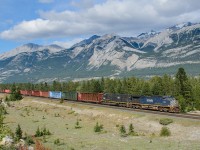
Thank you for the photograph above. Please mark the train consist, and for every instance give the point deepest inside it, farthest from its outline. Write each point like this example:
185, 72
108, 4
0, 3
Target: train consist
158, 103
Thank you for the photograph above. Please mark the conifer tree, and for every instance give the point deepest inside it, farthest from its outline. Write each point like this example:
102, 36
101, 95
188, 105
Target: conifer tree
18, 132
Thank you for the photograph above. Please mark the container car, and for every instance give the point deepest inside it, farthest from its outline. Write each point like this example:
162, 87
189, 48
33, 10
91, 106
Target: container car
23, 92
116, 99
70, 95
7, 91
35, 93
55, 94
90, 97
44, 94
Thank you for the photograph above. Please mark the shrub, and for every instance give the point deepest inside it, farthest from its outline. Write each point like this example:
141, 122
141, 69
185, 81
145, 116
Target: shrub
57, 142
165, 121
29, 140
98, 128
165, 132
39, 133
131, 130
77, 125
122, 130
18, 132
6, 99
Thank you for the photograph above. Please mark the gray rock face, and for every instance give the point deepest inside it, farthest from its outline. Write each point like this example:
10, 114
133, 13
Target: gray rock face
152, 53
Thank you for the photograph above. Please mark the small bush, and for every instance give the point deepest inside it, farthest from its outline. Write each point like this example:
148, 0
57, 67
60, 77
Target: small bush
18, 132
98, 128
6, 99
29, 140
122, 130
131, 130
165, 131
43, 132
165, 121
57, 142
77, 125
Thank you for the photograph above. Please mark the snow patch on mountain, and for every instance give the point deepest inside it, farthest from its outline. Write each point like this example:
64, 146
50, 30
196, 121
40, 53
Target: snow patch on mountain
27, 70
147, 34
180, 26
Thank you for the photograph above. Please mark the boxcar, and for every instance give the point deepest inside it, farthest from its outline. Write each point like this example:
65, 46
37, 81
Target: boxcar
90, 97
70, 95
44, 94
55, 94
35, 93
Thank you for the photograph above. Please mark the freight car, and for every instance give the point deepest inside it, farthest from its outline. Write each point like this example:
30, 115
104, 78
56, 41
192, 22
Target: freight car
55, 94
159, 103
116, 99
44, 94
70, 95
90, 97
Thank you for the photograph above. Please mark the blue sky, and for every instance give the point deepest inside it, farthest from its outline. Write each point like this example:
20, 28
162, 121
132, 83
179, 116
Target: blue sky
66, 22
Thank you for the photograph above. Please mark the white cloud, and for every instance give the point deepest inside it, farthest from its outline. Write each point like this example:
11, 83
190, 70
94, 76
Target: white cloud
69, 43
128, 17
45, 1
83, 4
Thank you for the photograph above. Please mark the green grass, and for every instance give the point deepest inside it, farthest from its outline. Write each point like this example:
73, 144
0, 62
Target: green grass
84, 138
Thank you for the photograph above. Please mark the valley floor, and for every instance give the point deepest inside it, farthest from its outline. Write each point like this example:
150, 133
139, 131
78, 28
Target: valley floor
61, 119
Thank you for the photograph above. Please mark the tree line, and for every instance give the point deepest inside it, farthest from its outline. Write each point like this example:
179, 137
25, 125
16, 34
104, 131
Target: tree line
185, 89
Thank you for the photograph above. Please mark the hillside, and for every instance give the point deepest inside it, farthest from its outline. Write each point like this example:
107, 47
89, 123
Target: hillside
152, 53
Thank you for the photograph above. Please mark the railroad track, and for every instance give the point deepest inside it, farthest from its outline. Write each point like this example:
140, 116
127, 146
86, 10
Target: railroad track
180, 115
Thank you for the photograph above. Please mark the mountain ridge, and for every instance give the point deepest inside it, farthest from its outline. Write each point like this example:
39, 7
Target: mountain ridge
109, 55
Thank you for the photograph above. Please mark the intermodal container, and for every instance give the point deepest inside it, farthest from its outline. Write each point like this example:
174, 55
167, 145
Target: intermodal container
117, 97
90, 97
155, 100
135, 99
70, 95
44, 94
35, 93
55, 94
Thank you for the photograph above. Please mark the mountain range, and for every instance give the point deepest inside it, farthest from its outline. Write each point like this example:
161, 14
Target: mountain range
148, 54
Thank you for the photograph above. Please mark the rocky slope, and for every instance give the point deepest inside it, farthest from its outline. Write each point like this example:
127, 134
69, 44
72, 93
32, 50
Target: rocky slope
153, 53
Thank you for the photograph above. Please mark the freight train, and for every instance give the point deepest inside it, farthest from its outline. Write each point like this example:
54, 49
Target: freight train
158, 103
